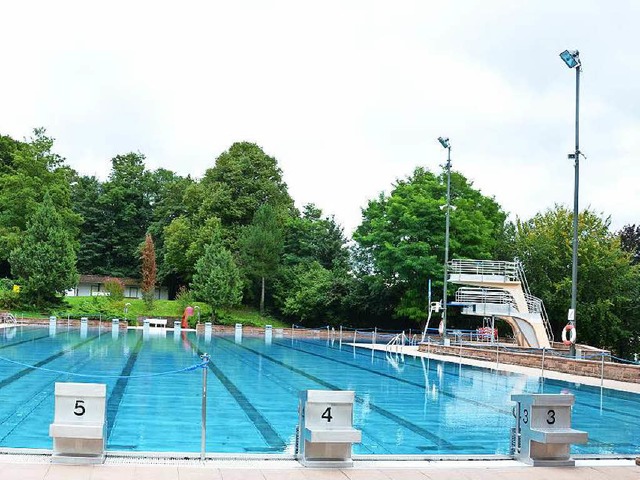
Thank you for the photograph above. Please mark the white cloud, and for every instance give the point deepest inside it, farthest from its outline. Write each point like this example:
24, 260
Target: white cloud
348, 96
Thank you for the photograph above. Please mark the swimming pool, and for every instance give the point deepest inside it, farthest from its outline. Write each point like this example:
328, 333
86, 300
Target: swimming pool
415, 406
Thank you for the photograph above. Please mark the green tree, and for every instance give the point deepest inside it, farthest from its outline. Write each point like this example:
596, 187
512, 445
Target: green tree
318, 295
315, 250
45, 261
243, 178
95, 238
402, 235
185, 243
149, 271
126, 214
28, 171
167, 202
261, 245
607, 282
314, 238
630, 241
217, 279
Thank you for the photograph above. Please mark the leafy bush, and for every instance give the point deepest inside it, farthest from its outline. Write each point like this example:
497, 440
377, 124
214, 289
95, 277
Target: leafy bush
9, 300
91, 307
6, 284
184, 298
115, 289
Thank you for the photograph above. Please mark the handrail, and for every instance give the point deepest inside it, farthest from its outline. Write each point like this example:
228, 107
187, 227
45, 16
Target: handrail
494, 296
536, 302
400, 340
508, 270
8, 317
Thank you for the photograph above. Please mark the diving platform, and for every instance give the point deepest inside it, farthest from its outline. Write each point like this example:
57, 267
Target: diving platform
499, 289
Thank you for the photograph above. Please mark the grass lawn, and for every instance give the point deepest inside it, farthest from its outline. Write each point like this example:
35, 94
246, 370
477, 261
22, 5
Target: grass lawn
104, 308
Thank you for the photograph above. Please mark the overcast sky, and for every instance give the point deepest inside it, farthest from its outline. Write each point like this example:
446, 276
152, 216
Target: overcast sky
347, 95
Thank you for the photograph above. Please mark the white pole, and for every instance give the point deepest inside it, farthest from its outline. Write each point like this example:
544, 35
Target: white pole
203, 442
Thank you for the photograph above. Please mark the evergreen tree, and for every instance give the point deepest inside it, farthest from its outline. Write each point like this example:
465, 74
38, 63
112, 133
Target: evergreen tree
261, 245
45, 261
217, 278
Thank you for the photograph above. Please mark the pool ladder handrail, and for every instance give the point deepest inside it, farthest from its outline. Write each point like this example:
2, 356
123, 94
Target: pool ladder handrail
400, 340
7, 317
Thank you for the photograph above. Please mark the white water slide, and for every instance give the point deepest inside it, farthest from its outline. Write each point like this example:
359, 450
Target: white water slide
499, 289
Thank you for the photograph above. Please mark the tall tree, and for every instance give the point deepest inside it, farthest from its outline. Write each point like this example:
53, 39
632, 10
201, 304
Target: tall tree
185, 243
95, 239
630, 241
149, 271
167, 202
126, 204
217, 279
28, 171
45, 261
402, 235
607, 282
243, 178
313, 237
261, 245
314, 280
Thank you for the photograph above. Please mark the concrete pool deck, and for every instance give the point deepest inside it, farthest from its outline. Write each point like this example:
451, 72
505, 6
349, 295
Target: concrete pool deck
18, 468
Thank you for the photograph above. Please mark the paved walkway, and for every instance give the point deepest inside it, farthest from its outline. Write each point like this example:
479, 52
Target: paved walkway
291, 470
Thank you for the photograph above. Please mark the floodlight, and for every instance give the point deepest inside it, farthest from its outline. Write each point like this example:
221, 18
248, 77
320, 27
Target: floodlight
444, 141
571, 58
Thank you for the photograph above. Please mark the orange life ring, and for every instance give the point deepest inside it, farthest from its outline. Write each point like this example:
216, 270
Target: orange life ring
569, 327
441, 328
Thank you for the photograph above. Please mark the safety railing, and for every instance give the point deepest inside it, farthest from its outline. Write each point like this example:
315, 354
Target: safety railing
494, 296
508, 270
536, 303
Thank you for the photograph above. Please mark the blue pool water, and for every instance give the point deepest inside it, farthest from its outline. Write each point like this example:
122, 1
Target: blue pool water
418, 406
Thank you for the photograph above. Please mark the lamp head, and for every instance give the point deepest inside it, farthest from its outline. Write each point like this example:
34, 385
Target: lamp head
571, 58
444, 142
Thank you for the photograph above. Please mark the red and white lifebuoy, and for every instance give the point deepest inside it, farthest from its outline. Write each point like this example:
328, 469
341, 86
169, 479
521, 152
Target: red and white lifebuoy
441, 327
570, 330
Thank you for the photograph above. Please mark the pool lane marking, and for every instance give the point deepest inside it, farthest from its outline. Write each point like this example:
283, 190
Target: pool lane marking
113, 404
444, 392
382, 411
401, 380
44, 394
294, 391
23, 341
588, 390
33, 368
267, 432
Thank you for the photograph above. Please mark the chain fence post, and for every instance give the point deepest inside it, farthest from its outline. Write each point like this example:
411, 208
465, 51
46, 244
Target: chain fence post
203, 441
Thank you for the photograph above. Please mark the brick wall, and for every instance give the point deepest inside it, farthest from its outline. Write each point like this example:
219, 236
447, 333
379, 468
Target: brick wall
588, 368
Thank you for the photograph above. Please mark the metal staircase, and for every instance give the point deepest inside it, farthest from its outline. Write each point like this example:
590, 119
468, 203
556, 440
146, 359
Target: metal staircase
536, 303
